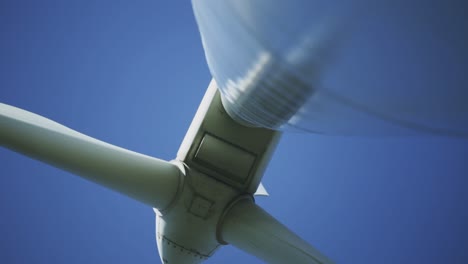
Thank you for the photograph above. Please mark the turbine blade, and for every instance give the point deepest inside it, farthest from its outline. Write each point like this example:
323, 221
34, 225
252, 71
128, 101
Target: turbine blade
149, 180
346, 68
248, 227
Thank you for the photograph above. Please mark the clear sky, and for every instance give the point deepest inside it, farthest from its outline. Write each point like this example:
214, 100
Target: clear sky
132, 73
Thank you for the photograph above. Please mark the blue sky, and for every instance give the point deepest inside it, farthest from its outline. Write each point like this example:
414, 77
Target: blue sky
132, 74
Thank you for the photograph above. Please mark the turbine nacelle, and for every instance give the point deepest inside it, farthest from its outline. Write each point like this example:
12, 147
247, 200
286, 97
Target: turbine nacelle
203, 199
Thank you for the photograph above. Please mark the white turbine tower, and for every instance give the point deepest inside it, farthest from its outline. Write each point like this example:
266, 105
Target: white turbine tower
262, 84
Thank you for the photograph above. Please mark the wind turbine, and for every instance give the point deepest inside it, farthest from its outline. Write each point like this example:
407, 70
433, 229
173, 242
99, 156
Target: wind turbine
202, 153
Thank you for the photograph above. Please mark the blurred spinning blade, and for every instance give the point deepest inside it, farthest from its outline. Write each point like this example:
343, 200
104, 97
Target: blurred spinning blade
340, 67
